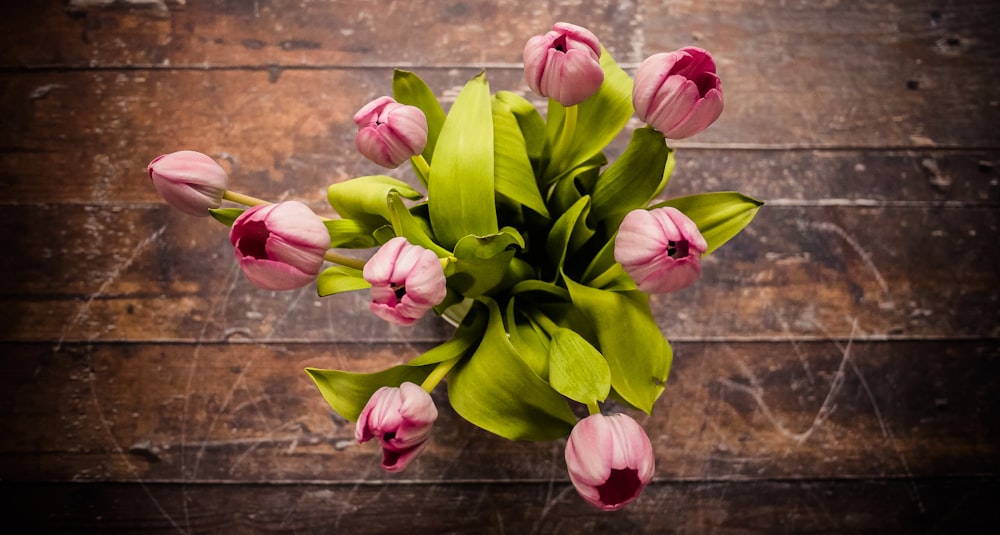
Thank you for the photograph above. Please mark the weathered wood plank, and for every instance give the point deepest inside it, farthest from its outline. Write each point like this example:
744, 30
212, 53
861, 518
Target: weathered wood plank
87, 137
883, 506
149, 273
288, 32
819, 75
873, 72
731, 411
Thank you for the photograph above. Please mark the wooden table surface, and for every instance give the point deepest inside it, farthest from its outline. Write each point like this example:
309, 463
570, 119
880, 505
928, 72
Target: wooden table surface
836, 368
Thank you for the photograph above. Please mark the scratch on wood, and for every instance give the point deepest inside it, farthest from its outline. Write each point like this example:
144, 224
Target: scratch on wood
230, 284
883, 425
106, 426
111, 277
555, 450
755, 391
825, 226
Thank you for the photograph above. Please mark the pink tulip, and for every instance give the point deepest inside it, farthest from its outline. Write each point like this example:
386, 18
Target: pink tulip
678, 93
189, 181
407, 281
401, 420
280, 246
609, 459
564, 64
389, 133
661, 249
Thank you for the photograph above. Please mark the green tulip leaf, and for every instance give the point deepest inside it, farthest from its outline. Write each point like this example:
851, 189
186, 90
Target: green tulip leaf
600, 263
638, 356
226, 216
720, 216
528, 339
350, 234
615, 278
414, 229
634, 179
495, 390
462, 173
574, 184
465, 339
530, 122
349, 392
554, 291
409, 89
363, 198
576, 369
337, 279
515, 178
569, 232
482, 261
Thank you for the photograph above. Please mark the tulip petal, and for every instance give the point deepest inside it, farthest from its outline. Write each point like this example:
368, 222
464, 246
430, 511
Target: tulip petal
609, 460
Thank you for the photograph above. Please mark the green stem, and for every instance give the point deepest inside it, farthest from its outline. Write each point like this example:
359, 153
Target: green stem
422, 168
247, 200
343, 260
439, 372
565, 135
446, 261
594, 408
240, 198
544, 322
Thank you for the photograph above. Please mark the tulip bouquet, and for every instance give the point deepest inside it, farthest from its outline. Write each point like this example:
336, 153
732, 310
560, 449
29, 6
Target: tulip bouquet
520, 233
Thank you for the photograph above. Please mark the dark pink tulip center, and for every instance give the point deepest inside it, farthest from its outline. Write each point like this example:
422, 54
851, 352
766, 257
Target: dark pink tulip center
677, 249
390, 457
399, 290
560, 43
252, 242
620, 487
705, 82
696, 70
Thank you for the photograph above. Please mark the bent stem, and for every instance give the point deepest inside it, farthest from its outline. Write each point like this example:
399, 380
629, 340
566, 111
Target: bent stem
438, 374
240, 198
344, 260
247, 200
422, 168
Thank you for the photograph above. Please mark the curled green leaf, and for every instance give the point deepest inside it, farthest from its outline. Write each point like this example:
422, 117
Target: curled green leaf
363, 198
337, 279
226, 216
495, 390
638, 356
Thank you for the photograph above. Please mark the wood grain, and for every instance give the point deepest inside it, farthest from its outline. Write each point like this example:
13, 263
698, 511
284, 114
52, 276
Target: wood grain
835, 368
882, 505
732, 411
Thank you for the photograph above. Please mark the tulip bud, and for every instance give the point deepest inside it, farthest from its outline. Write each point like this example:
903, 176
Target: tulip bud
564, 64
280, 246
678, 93
189, 181
609, 459
401, 420
407, 281
660, 249
389, 133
